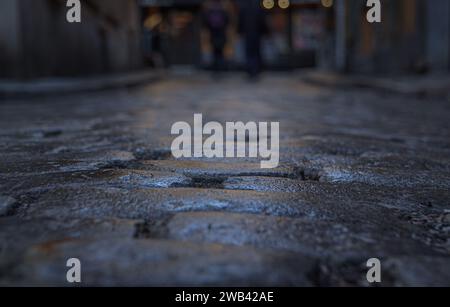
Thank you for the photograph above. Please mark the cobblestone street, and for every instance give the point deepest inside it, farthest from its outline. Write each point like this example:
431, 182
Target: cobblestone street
363, 174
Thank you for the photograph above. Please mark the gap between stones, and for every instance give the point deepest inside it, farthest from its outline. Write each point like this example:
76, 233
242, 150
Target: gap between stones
152, 229
206, 181
218, 182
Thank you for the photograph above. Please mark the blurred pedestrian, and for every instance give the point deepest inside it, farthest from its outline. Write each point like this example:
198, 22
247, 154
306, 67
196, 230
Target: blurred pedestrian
216, 20
252, 26
153, 30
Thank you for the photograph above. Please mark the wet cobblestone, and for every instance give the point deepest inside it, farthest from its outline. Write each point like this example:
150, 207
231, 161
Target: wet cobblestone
362, 174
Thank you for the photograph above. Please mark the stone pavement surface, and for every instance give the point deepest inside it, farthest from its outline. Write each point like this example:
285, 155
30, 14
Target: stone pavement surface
363, 174
433, 85
54, 86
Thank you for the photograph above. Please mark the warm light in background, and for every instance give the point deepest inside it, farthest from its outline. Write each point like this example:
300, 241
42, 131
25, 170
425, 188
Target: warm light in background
268, 4
284, 4
327, 3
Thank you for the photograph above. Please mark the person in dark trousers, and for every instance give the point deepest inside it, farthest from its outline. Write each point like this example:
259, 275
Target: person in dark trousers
252, 26
216, 20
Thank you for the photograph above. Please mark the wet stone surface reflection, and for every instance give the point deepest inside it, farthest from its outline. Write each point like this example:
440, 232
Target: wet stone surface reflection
362, 174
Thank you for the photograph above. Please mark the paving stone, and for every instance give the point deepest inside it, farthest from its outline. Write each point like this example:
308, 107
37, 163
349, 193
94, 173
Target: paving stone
145, 203
316, 238
17, 234
397, 271
264, 184
419, 271
128, 262
386, 176
349, 208
120, 178
195, 168
362, 174
83, 162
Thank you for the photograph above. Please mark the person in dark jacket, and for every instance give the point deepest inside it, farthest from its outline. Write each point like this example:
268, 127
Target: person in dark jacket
216, 20
252, 26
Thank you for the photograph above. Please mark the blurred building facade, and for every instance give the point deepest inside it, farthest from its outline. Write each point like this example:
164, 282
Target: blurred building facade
413, 37
37, 41
172, 28
292, 39
120, 35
